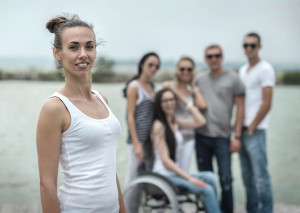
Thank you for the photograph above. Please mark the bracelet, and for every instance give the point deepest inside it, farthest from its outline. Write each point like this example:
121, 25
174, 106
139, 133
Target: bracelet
189, 105
195, 89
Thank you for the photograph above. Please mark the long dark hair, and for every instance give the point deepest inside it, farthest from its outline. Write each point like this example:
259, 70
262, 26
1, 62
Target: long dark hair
161, 116
169, 135
141, 62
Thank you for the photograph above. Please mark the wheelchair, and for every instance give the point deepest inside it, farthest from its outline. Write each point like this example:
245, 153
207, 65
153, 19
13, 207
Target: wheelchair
157, 194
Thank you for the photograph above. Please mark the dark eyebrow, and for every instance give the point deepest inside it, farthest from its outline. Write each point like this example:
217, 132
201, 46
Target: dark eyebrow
75, 42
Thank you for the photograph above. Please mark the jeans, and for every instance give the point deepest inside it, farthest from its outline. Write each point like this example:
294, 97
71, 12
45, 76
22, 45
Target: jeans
209, 192
255, 174
206, 148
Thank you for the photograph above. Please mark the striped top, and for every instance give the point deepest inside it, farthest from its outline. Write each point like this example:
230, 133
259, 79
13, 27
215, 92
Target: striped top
143, 115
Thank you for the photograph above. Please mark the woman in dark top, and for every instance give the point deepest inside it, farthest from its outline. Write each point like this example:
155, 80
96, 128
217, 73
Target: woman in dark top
140, 99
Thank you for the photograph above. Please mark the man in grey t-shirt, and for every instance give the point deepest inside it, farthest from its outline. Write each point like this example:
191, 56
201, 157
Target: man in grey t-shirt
221, 90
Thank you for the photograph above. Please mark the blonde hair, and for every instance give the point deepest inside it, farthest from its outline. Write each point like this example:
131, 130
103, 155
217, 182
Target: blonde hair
213, 46
185, 58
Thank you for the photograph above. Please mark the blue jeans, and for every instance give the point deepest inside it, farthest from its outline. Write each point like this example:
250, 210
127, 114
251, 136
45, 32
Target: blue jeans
255, 174
206, 148
209, 192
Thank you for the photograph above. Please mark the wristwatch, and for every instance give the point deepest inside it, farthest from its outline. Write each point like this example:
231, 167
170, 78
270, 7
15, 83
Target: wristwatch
237, 137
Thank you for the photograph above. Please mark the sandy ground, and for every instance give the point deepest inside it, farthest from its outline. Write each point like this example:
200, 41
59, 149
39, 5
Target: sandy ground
36, 208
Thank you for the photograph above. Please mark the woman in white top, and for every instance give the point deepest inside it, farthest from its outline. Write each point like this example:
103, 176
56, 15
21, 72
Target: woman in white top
167, 141
77, 129
184, 85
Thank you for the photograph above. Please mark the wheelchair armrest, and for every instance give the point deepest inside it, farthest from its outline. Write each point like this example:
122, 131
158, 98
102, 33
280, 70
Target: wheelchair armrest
174, 187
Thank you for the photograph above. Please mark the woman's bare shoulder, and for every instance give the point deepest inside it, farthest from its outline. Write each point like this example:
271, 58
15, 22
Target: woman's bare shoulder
132, 90
53, 107
132, 86
104, 97
158, 126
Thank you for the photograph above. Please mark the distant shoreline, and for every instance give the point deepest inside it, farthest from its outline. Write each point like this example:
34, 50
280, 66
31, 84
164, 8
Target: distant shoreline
15, 63
284, 77
112, 70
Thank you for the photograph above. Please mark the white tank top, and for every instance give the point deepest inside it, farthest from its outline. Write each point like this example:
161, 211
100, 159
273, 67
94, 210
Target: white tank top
88, 161
158, 166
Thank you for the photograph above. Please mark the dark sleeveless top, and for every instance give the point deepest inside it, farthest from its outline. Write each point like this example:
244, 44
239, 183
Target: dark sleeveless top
143, 115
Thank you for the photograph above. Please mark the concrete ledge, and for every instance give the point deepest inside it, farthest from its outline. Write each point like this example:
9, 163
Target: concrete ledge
36, 208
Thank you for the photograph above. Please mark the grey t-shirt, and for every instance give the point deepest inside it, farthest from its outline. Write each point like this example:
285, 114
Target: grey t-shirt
219, 93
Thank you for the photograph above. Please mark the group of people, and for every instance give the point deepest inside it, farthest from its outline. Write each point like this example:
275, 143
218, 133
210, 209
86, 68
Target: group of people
194, 113
77, 129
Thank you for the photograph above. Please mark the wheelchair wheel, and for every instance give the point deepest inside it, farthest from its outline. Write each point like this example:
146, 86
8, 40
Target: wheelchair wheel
149, 193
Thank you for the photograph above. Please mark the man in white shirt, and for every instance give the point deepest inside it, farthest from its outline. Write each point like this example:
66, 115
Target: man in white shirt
258, 77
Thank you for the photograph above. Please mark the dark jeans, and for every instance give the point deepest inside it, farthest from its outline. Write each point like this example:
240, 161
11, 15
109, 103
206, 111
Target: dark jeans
206, 148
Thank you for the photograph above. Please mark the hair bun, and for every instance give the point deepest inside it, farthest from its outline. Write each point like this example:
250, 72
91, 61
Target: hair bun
54, 23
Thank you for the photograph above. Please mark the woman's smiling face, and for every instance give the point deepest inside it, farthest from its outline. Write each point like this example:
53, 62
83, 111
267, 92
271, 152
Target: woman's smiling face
78, 52
168, 102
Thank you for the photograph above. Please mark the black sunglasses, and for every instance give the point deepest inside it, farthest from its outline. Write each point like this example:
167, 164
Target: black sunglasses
150, 65
189, 69
246, 45
217, 56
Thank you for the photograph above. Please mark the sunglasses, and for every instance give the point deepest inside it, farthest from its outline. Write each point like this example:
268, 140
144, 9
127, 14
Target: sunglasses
246, 45
217, 56
167, 100
189, 69
150, 65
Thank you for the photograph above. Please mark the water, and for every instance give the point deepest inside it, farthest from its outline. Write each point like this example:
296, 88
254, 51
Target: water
20, 104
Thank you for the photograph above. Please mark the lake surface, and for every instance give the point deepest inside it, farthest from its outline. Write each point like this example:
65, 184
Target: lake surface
20, 104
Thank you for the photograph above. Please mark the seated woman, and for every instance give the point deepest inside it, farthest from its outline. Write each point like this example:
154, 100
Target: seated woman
167, 140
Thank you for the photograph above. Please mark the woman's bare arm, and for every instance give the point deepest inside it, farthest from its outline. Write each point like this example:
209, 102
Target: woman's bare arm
132, 96
189, 123
51, 123
121, 201
199, 99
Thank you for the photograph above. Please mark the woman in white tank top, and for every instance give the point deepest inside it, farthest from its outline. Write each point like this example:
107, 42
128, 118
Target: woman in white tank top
77, 129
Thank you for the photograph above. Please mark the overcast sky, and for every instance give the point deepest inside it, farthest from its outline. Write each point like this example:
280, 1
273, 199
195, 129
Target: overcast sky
170, 27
